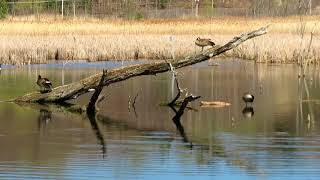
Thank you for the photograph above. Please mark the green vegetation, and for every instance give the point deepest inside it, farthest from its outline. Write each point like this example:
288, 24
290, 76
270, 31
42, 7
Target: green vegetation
163, 4
3, 9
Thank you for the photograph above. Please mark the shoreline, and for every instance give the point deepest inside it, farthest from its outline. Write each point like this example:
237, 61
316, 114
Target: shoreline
60, 63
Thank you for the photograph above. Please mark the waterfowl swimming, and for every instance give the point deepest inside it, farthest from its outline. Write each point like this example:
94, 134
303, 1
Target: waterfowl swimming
204, 42
248, 98
44, 84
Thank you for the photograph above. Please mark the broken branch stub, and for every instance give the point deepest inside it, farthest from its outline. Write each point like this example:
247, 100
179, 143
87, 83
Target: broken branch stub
67, 92
94, 98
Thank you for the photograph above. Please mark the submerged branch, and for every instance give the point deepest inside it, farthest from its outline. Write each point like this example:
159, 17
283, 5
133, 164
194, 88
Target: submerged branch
73, 90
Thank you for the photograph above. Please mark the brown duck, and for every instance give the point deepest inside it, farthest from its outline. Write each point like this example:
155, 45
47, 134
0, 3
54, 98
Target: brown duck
204, 42
44, 84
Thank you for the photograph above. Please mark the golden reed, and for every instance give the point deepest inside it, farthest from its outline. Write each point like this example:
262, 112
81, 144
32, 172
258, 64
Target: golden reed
24, 41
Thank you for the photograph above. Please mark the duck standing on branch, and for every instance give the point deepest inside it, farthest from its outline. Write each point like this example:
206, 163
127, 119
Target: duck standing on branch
248, 98
204, 42
44, 84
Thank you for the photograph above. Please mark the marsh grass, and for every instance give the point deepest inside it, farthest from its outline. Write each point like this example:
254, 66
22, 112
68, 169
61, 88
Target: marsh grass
27, 41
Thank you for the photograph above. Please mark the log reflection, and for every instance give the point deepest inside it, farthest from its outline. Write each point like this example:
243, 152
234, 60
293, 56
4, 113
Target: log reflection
177, 118
96, 130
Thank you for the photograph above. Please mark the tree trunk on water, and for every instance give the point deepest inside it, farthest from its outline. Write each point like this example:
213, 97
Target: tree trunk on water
73, 90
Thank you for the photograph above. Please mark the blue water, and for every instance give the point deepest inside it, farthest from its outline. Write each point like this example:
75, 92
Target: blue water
280, 139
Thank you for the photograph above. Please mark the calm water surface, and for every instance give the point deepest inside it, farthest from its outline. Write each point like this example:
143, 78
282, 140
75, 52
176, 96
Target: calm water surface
279, 138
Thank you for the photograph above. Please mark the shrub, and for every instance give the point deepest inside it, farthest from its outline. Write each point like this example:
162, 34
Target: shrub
3, 9
163, 4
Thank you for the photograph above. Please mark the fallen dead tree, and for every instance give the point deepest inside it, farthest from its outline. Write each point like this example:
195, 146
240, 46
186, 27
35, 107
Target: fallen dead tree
73, 90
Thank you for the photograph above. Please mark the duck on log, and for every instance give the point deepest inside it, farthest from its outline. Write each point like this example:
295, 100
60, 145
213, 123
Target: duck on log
73, 90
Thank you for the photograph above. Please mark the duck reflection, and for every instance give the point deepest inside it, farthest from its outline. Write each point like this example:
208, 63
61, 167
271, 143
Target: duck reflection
248, 112
44, 118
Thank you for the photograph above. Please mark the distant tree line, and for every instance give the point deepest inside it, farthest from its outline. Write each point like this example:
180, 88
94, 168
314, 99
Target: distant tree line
138, 9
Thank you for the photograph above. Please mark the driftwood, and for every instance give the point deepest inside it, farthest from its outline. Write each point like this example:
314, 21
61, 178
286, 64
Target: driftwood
73, 90
214, 104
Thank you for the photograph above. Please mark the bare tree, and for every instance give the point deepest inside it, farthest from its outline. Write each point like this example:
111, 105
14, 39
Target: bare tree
197, 7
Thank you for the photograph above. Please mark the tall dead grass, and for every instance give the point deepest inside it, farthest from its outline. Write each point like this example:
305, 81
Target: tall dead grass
27, 41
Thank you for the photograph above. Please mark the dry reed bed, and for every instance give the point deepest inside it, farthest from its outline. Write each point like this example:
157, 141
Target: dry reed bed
23, 42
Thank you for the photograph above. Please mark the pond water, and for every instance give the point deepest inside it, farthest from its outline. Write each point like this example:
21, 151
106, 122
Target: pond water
279, 138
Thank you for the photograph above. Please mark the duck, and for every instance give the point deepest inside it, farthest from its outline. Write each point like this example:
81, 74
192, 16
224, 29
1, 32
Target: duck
44, 84
248, 98
204, 42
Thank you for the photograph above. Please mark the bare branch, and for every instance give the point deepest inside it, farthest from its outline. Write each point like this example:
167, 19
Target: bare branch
134, 100
174, 73
95, 97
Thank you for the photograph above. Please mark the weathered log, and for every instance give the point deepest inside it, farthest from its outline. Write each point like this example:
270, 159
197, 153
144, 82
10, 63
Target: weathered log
91, 108
73, 90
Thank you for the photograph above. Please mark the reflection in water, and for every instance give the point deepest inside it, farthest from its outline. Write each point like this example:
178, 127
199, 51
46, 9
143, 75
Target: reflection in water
44, 118
176, 119
282, 141
96, 130
132, 104
248, 112
305, 113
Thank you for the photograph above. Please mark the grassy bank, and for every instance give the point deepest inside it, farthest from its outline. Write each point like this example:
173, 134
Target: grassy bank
27, 41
